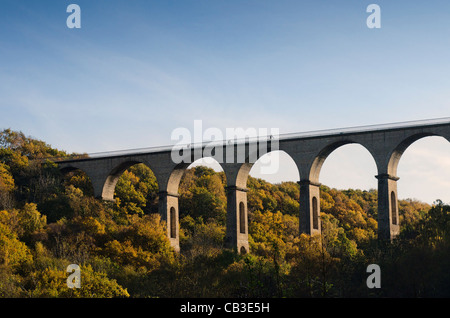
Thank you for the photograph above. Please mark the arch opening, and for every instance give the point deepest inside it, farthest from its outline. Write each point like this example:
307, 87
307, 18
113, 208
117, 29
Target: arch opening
113, 177
201, 191
423, 164
348, 192
134, 186
275, 167
208, 162
397, 153
272, 185
184, 172
347, 166
278, 169
202, 201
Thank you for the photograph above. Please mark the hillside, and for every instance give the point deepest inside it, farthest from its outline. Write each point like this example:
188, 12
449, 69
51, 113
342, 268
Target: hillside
48, 221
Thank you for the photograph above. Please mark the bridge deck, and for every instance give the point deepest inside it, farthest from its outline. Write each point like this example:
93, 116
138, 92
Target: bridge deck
282, 137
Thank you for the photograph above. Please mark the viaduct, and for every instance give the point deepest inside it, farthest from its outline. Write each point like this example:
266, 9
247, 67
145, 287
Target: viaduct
386, 143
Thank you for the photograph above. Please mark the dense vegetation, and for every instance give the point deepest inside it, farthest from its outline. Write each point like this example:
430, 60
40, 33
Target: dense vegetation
48, 221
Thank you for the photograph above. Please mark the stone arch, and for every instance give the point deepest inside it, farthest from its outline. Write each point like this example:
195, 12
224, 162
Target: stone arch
349, 166
310, 169
279, 166
396, 154
319, 159
423, 165
169, 198
113, 176
276, 158
388, 213
69, 168
180, 169
173, 181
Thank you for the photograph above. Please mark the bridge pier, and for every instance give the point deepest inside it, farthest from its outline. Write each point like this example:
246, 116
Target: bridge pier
309, 207
237, 219
388, 218
168, 209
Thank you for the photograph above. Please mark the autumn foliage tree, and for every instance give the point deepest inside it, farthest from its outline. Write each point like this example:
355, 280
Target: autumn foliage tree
49, 220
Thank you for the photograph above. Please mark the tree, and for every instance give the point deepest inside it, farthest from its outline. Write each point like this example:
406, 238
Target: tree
7, 186
52, 282
13, 252
128, 197
31, 220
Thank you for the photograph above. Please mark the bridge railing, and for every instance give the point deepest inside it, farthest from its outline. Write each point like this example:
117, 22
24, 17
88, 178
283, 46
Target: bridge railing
367, 128
253, 139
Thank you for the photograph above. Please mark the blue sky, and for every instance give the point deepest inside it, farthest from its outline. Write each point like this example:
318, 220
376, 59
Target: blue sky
136, 70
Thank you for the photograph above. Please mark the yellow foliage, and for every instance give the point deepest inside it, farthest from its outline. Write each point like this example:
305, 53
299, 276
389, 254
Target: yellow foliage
92, 226
52, 282
6, 179
12, 251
